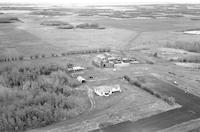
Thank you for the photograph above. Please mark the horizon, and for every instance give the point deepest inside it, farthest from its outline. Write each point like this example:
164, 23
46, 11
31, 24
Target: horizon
102, 2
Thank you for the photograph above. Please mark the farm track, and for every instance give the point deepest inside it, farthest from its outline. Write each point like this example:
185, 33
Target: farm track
91, 98
131, 41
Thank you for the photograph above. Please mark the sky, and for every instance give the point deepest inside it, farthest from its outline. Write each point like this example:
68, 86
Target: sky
100, 2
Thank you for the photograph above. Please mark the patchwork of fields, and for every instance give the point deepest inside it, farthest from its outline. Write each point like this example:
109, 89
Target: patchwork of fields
39, 45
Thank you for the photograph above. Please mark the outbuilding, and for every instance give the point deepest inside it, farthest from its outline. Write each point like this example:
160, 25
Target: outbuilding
81, 79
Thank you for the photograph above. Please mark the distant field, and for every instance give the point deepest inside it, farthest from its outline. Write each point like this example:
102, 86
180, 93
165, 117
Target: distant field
190, 126
33, 38
150, 24
30, 38
154, 32
19, 42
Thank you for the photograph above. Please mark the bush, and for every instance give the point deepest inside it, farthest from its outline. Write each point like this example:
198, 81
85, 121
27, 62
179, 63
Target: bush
73, 83
155, 54
149, 62
43, 56
21, 58
63, 54
36, 56
169, 100
53, 55
105, 124
127, 78
137, 83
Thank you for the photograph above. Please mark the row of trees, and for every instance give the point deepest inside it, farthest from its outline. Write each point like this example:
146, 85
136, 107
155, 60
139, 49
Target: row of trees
56, 55
191, 59
188, 46
11, 59
169, 100
38, 96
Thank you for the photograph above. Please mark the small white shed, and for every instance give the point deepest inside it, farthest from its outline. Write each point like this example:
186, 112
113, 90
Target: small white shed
81, 79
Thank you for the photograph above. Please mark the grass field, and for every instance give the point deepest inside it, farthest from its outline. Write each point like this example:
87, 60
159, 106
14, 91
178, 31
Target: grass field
32, 38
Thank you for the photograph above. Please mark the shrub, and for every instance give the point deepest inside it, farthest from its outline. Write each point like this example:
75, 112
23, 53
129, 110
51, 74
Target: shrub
63, 54
127, 78
169, 100
53, 55
21, 58
94, 25
43, 56
105, 124
73, 83
36, 56
137, 83
149, 62
155, 54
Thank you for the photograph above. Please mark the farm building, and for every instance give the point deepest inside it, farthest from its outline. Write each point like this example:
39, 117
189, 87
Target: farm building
107, 60
122, 65
77, 68
102, 61
106, 90
102, 64
97, 62
72, 68
81, 79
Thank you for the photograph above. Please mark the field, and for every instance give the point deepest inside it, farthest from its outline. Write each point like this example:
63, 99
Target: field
39, 39
191, 126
